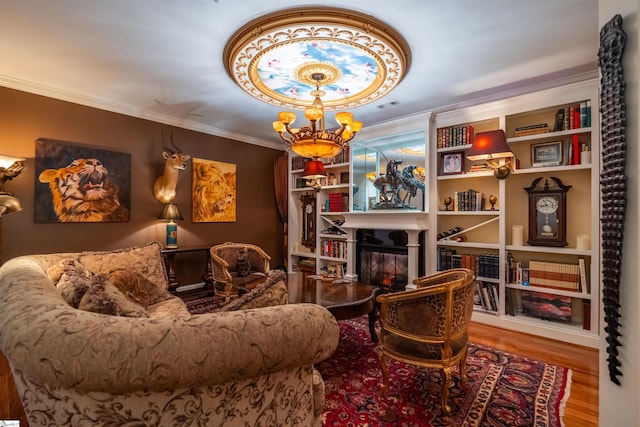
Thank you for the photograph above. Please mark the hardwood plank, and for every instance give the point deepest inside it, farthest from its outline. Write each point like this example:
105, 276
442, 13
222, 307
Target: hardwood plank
582, 405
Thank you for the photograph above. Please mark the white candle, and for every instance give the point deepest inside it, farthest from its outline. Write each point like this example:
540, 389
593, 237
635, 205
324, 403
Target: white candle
584, 242
517, 236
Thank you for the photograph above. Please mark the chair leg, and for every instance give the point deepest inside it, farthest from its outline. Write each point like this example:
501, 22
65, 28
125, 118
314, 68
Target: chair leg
462, 368
385, 414
446, 382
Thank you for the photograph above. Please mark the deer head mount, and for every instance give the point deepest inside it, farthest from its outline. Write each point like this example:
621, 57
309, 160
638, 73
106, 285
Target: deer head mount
164, 188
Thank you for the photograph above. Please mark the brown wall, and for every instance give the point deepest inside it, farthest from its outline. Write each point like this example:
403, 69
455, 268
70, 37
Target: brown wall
26, 117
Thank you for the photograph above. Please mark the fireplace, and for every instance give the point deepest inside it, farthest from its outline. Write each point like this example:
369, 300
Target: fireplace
382, 258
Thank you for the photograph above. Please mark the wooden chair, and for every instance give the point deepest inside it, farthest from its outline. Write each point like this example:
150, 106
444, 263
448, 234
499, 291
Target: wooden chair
228, 282
427, 327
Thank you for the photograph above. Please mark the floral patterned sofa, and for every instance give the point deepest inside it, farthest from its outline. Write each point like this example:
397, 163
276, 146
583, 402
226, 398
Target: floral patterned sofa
132, 354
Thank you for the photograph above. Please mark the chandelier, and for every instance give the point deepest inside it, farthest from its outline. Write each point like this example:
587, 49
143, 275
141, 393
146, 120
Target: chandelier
314, 141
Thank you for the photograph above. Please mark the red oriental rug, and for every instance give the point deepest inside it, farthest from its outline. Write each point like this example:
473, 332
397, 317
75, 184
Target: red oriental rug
504, 389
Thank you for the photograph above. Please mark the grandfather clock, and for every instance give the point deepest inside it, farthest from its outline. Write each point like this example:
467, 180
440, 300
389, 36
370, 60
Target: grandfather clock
308, 237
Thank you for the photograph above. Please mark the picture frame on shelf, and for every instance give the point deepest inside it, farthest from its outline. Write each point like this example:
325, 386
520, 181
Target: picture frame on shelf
452, 163
546, 154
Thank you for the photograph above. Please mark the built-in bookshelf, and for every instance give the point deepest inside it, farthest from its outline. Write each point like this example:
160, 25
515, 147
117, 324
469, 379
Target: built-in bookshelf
331, 199
471, 215
552, 134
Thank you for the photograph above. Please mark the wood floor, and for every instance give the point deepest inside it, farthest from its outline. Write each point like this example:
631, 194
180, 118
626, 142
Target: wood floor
582, 406
581, 409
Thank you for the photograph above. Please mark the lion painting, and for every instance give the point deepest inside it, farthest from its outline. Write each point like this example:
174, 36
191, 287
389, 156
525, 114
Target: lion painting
84, 192
214, 191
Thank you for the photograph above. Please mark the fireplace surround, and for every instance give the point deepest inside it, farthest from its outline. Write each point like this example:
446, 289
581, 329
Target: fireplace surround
387, 232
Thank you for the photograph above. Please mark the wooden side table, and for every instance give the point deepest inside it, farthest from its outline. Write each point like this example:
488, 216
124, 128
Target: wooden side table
170, 264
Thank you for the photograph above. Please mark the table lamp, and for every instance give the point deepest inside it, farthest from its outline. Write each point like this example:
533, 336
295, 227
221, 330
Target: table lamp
171, 212
313, 172
492, 147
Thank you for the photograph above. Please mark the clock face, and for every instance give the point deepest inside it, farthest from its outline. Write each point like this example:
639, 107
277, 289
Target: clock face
547, 205
309, 209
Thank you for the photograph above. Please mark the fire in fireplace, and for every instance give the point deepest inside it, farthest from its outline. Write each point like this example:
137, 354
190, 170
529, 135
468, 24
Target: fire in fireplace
382, 258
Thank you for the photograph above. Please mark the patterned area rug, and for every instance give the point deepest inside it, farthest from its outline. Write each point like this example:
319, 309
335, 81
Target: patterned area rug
504, 389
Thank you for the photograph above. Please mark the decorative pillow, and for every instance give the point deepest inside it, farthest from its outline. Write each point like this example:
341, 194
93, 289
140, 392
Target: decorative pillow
145, 260
72, 280
131, 284
271, 292
103, 297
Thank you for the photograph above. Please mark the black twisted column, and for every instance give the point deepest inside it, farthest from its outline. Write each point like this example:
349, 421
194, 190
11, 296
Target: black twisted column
613, 181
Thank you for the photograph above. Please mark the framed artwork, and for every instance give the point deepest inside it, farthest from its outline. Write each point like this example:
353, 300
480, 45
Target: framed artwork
79, 183
213, 192
546, 154
452, 163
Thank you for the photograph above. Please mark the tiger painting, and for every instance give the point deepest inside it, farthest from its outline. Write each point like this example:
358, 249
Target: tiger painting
84, 191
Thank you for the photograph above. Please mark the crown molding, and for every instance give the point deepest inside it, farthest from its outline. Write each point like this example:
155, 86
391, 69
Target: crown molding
114, 107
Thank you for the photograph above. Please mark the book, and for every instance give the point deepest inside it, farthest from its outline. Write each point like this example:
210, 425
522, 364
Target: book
536, 126
583, 114
576, 150
586, 314
559, 123
584, 279
534, 131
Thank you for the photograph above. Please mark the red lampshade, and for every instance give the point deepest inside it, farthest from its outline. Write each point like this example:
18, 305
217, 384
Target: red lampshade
489, 145
314, 169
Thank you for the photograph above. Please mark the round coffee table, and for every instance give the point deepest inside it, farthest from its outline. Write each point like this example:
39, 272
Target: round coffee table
343, 300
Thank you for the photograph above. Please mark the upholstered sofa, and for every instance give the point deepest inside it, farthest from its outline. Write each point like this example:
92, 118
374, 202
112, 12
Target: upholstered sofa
156, 364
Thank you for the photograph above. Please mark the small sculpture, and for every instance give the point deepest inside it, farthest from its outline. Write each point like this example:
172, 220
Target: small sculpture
493, 200
447, 202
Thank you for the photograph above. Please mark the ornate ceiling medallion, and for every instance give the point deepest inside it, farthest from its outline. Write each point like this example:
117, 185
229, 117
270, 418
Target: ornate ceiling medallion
273, 57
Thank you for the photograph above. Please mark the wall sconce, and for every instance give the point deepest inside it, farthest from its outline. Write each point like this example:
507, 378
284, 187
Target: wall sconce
492, 146
10, 167
313, 172
171, 213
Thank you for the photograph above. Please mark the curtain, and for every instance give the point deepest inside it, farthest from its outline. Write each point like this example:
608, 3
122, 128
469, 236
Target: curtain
280, 177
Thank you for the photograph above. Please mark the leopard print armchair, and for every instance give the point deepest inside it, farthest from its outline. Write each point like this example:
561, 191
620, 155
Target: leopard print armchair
427, 327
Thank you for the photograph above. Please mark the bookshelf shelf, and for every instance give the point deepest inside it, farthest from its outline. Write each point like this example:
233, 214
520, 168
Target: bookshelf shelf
583, 295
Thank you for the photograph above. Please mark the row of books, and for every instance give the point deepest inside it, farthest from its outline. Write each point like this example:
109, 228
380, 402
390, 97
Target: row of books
337, 202
454, 136
487, 265
470, 200
543, 274
486, 296
334, 248
574, 116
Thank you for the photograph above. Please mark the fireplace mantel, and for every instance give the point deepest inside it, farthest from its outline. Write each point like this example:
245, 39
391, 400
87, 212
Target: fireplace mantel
411, 221
386, 220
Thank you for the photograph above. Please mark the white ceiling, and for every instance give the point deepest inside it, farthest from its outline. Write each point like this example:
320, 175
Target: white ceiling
162, 59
